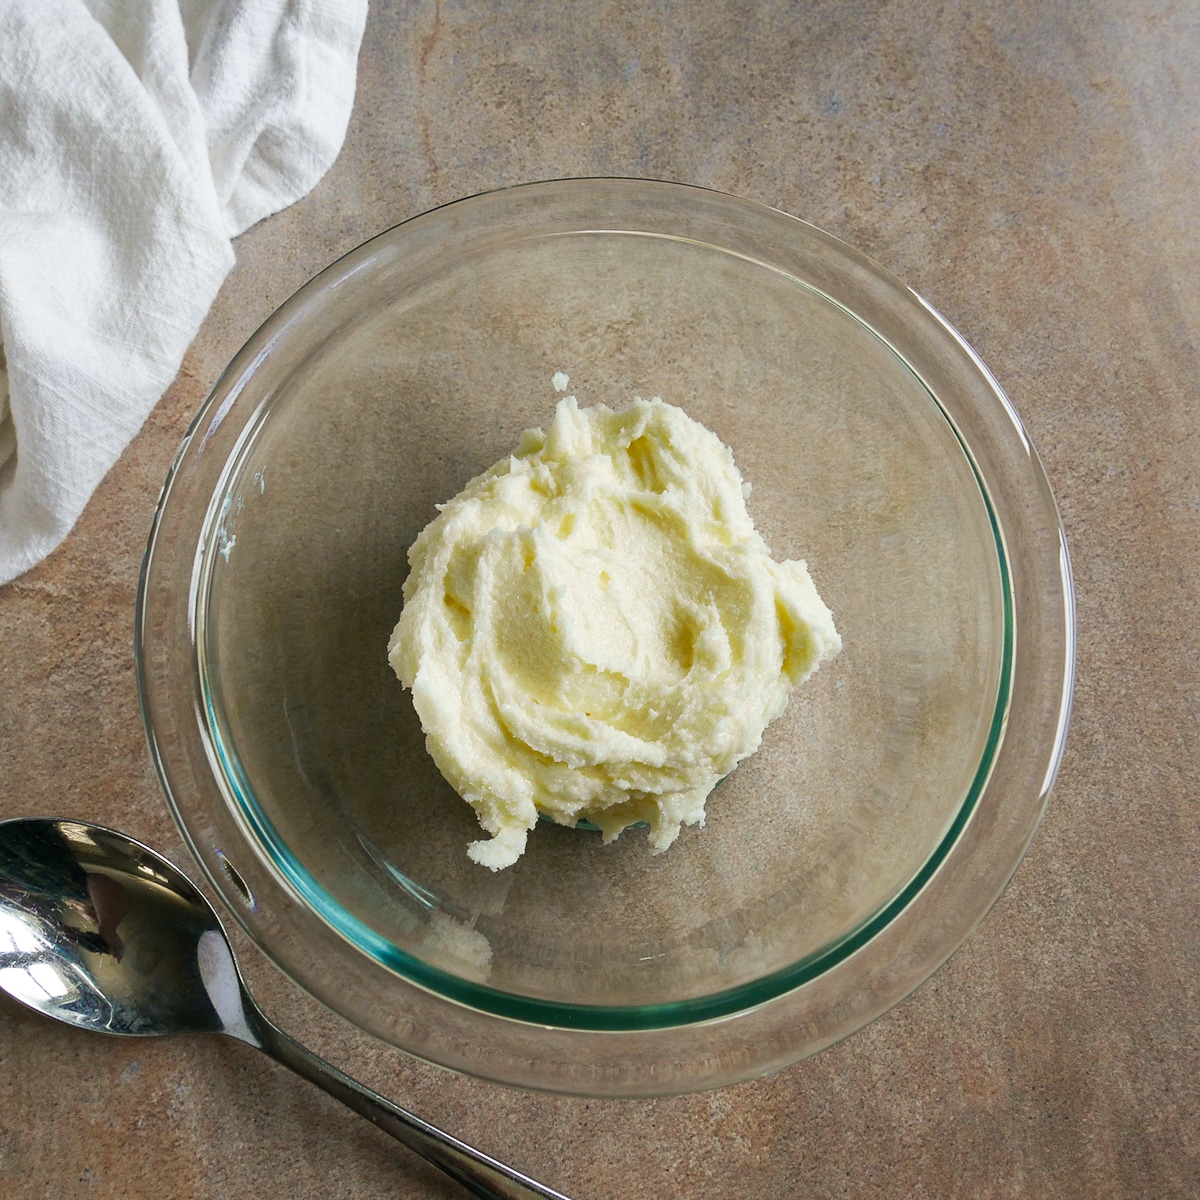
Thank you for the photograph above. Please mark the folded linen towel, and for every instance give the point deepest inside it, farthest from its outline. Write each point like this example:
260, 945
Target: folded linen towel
136, 138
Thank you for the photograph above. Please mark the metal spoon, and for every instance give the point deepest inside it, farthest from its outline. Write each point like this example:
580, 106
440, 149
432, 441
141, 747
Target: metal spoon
101, 932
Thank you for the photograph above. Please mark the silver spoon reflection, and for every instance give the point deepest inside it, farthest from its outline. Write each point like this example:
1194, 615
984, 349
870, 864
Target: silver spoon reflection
101, 932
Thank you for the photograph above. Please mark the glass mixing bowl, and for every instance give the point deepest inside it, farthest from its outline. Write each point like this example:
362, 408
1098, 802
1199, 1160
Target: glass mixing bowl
840, 864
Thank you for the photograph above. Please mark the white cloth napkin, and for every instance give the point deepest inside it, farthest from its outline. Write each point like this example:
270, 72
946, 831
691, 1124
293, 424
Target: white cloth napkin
136, 138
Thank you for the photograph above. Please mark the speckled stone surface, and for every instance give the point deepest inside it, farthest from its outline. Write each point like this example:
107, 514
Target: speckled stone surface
1034, 170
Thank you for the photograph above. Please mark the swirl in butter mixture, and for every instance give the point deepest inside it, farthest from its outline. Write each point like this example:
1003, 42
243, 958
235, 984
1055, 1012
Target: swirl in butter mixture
594, 629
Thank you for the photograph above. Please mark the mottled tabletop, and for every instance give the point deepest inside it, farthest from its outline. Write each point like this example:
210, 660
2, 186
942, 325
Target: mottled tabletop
1033, 169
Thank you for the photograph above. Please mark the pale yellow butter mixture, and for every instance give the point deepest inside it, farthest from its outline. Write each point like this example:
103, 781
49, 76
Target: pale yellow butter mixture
594, 629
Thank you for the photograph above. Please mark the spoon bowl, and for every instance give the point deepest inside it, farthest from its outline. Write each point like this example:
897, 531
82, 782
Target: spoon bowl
100, 932
66, 888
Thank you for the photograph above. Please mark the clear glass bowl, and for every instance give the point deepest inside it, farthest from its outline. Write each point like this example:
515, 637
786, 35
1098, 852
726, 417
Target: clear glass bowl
840, 865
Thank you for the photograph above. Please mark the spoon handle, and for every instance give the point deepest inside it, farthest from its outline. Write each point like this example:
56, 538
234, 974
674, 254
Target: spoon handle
477, 1172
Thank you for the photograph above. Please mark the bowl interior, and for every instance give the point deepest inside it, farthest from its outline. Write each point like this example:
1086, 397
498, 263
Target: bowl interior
420, 381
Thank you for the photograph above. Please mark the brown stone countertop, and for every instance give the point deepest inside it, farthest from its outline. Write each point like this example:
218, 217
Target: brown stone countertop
1033, 169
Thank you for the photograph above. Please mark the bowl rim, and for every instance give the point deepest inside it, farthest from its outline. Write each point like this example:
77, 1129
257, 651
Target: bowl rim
531, 1010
